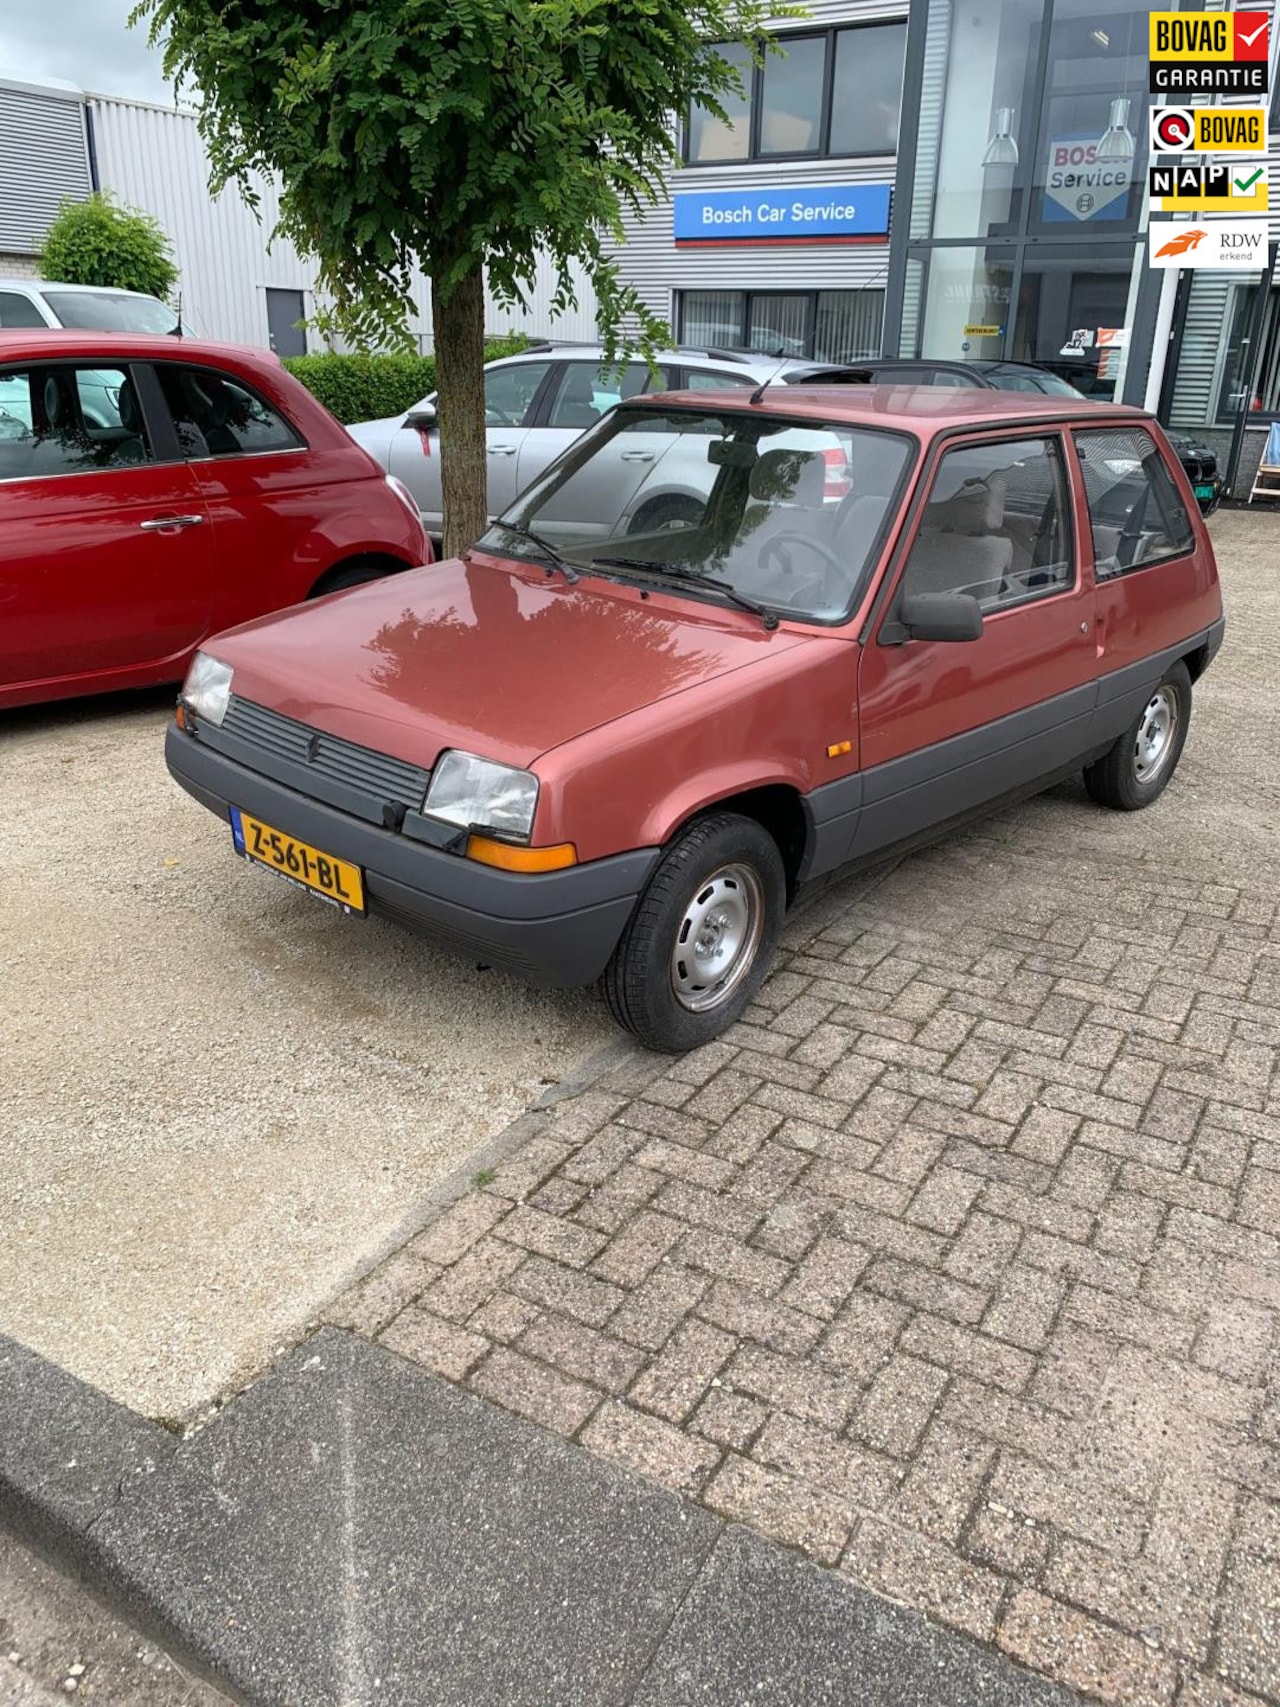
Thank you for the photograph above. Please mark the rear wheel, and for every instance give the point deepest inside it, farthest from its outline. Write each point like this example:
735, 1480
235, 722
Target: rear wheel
667, 515
699, 943
1137, 769
352, 574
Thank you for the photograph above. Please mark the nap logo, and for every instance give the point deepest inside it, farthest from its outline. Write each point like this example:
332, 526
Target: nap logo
1227, 245
1210, 189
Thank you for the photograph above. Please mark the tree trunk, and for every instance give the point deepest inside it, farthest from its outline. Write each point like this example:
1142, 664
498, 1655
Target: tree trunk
458, 323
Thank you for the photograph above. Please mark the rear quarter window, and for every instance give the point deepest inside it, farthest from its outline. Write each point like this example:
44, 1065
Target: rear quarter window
216, 415
1136, 514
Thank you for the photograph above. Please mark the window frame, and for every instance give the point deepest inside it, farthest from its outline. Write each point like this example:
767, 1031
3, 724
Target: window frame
156, 398
1053, 436
1104, 577
755, 97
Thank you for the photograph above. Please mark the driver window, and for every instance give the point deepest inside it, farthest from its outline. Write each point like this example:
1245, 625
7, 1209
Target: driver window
509, 391
1135, 512
996, 525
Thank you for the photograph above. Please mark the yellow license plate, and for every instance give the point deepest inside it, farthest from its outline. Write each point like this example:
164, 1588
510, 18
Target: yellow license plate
333, 879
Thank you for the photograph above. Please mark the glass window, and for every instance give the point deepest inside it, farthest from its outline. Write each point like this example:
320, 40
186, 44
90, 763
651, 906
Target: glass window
967, 301
585, 391
867, 96
64, 420
848, 325
791, 97
829, 325
701, 379
18, 310
788, 514
778, 325
837, 92
995, 526
110, 311
710, 138
215, 415
1135, 512
712, 319
509, 392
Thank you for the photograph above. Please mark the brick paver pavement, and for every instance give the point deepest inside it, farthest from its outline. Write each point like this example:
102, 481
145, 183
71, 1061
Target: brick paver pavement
956, 1268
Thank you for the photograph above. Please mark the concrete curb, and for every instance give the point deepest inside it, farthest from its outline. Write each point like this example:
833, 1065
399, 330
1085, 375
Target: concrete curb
353, 1530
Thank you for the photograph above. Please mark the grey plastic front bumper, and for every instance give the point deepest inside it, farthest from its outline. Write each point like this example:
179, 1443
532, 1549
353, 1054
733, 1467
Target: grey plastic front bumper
556, 927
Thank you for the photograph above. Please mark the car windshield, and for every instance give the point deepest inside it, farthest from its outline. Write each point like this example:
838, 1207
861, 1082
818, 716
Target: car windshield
110, 311
789, 514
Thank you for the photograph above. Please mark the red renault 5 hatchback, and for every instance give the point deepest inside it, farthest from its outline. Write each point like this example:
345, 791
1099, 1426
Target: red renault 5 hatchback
597, 749
154, 490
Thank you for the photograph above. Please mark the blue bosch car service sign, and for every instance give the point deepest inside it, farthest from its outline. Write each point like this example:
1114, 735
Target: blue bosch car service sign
835, 213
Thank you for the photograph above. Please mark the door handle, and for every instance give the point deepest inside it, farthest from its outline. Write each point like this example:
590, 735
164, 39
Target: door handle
637, 456
162, 524
502, 450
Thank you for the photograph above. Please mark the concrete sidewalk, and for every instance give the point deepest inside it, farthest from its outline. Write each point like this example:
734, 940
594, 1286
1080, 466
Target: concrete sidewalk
352, 1530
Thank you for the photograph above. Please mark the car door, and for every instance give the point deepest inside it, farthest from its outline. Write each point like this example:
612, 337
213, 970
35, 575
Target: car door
105, 562
510, 389
949, 725
579, 394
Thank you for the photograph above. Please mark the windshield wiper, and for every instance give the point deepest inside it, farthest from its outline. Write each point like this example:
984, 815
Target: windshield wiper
650, 566
567, 569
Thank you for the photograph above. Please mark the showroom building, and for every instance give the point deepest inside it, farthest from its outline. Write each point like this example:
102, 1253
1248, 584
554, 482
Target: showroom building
962, 179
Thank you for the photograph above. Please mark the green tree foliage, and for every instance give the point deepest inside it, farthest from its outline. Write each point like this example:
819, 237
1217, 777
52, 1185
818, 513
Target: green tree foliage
98, 242
467, 136
367, 388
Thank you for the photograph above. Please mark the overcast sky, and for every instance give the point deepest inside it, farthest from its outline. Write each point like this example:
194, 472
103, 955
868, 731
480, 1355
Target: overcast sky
86, 42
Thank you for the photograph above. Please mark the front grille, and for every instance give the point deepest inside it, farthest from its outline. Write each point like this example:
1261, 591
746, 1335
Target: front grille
355, 779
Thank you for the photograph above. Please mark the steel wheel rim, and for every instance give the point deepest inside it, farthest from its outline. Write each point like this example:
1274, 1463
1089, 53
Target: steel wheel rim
1157, 728
717, 938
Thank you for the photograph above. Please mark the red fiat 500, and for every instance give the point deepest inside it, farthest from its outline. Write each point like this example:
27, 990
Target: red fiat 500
595, 748
154, 490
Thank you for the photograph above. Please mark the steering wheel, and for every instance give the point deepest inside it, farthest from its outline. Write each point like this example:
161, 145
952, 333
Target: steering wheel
771, 549
498, 417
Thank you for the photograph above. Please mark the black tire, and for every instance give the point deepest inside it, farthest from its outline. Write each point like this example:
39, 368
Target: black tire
670, 512
640, 982
353, 574
1123, 778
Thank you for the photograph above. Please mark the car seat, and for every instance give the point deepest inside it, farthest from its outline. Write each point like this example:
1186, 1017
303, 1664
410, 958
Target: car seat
132, 448
959, 548
576, 407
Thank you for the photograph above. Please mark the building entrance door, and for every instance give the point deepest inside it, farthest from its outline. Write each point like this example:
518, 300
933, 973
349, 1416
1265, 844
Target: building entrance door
285, 308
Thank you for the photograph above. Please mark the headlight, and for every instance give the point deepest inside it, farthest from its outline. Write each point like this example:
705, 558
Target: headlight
207, 689
467, 790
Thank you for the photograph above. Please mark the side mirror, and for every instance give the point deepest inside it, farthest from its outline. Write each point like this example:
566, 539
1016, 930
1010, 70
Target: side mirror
941, 616
421, 418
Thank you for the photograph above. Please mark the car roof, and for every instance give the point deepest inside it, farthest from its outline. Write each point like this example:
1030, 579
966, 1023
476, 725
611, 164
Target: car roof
43, 285
60, 343
677, 353
923, 410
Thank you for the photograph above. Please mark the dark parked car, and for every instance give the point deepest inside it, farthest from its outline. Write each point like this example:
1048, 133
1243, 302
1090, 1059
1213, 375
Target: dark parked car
585, 752
1200, 463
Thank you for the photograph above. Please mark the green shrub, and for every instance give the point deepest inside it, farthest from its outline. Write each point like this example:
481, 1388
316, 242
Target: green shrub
365, 388
97, 242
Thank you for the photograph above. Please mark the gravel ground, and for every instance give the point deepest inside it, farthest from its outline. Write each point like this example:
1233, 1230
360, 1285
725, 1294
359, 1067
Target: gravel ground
218, 1099
57, 1645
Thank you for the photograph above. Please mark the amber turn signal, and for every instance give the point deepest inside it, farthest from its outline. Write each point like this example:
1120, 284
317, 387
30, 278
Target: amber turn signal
508, 858
836, 748
180, 715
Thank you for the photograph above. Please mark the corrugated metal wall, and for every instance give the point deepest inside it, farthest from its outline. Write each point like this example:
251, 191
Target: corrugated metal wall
43, 158
154, 158
650, 260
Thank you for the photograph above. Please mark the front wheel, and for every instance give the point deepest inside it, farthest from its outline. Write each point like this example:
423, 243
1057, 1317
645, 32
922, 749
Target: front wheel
1137, 769
699, 943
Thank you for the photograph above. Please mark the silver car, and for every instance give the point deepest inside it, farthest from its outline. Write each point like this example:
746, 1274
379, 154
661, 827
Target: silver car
536, 405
